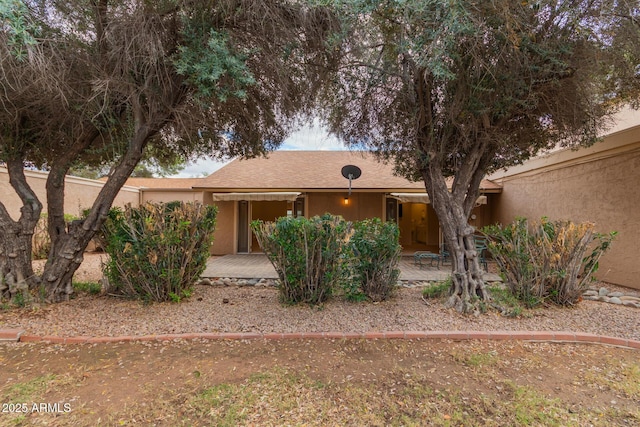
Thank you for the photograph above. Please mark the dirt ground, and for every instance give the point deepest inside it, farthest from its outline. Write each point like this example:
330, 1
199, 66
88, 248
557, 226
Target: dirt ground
376, 382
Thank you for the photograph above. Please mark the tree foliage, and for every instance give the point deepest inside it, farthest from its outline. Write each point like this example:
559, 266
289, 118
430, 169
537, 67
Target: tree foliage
458, 88
621, 33
100, 81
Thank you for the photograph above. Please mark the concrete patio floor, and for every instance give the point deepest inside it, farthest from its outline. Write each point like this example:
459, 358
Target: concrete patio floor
250, 266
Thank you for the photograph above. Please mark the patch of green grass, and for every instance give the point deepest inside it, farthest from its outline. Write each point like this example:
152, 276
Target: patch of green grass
20, 299
508, 303
92, 288
623, 379
28, 391
481, 359
437, 290
531, 408
630, 384
275, 392
225, 402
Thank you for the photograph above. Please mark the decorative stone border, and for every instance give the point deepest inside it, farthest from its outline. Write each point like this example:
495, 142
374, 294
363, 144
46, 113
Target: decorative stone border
617, 298
18, 335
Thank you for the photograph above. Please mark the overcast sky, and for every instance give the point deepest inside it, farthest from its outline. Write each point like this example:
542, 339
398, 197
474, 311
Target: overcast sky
308, 138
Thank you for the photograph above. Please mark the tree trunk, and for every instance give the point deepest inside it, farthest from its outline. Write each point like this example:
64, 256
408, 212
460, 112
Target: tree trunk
68, 246
16, 270
453, 209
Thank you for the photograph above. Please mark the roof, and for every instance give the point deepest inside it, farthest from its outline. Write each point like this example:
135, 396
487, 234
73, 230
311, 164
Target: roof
165, 183
309, 170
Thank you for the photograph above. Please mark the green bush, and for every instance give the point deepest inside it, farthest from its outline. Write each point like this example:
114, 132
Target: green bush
308, 255
437, 290
376, 254
547, 261
92, 288
158, 251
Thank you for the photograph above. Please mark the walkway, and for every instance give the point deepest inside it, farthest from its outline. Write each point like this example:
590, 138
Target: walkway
253, 266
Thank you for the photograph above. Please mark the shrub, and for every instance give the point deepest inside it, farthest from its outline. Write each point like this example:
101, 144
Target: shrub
376, 254
307, 254
158, 251
505, 302
92, 288
546, 261
437, 289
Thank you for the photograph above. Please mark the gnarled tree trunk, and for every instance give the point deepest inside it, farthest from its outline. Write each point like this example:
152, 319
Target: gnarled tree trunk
68, 244
16, 271
453, 209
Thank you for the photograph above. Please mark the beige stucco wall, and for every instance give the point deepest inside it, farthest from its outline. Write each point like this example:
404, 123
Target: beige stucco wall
361, 205
600, 184
80, 193
224, 240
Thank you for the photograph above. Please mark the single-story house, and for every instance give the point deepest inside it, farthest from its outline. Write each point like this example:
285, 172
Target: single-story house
309, 183
599, 184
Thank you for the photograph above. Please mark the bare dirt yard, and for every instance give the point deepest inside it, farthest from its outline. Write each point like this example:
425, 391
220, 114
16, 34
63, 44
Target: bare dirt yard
324, 382
319, 382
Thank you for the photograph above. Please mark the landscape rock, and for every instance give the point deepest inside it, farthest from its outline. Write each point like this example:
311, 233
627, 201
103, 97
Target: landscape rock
617, 298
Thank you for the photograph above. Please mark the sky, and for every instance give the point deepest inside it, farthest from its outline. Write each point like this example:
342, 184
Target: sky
311, 137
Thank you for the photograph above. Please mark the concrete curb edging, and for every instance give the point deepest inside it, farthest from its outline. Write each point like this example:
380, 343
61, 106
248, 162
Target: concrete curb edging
19, 335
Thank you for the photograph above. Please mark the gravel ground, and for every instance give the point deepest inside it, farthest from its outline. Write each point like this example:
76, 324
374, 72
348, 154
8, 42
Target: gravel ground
256, 309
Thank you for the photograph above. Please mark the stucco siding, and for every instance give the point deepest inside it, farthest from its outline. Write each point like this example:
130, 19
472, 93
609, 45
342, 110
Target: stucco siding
224, 235
602, 189
80, 193
360, 206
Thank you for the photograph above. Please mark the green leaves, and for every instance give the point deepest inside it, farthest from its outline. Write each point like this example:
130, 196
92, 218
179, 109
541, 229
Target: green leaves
546, 261
315, 256
375, 255
214, 68
15, 23
308, 255
158, 251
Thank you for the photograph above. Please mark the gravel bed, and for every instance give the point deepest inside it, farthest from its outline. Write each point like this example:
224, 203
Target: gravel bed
257, 309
